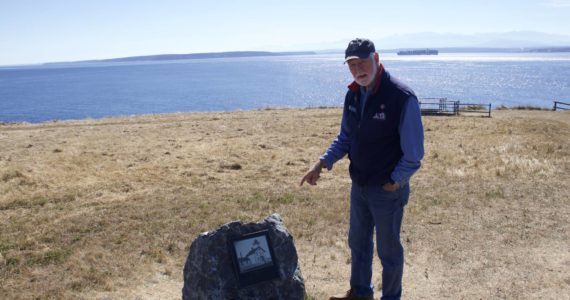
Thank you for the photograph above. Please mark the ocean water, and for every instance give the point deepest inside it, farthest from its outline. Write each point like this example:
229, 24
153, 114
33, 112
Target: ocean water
77, 91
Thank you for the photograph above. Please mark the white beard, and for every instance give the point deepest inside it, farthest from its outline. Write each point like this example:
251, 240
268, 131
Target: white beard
368, 79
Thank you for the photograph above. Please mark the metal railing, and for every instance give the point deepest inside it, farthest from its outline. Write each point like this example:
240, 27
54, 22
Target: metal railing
481, 109
444, 107
438, 106
561, 105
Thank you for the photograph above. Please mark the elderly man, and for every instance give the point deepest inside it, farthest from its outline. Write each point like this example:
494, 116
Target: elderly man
382, 133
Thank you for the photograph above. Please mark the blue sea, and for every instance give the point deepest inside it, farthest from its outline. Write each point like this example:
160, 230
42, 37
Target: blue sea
78, 91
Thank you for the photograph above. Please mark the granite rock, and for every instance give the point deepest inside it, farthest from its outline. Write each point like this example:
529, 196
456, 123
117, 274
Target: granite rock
209, 270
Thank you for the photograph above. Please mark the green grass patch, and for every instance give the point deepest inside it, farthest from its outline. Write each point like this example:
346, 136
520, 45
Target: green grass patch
50, 257
38, 201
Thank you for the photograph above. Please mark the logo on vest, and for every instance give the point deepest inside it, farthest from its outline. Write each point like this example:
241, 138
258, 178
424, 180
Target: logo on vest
379, 116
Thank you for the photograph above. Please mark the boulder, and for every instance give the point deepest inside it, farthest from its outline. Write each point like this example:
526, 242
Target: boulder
210, 272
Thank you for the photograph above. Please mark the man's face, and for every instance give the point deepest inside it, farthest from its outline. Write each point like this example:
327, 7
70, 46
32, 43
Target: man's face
363, 69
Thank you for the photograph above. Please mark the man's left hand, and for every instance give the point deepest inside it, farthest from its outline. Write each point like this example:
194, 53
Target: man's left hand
391, 187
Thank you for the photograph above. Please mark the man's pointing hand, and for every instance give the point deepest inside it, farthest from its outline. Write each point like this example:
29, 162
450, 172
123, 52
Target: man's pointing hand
313, 174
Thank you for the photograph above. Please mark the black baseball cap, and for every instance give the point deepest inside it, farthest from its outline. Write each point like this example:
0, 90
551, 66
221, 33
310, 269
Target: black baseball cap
359, 48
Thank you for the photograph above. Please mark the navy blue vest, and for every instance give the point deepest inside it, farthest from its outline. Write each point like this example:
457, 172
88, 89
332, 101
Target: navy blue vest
375, 139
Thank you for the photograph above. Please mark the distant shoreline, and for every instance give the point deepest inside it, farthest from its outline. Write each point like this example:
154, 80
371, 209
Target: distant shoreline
241, 54
171, 57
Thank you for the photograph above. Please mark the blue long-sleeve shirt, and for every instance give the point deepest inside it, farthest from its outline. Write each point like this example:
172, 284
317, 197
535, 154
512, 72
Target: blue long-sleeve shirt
411, 142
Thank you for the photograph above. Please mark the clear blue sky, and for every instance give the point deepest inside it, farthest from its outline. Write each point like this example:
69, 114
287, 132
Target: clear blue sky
65, 30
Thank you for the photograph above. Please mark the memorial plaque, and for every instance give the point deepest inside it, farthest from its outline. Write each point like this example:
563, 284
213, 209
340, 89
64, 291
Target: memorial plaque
253, 257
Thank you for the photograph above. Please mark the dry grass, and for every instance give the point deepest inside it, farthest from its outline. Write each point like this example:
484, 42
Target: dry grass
108, 208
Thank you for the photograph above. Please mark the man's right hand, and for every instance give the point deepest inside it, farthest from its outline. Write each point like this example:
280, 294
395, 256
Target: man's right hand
313, 174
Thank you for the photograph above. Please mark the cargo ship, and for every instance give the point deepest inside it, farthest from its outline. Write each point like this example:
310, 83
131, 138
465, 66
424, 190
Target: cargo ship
419, 52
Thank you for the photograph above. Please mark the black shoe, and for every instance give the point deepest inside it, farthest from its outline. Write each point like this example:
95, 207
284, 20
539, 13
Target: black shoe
350, 295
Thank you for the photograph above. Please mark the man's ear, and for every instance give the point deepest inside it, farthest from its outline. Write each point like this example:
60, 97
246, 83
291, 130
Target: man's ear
376, 57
